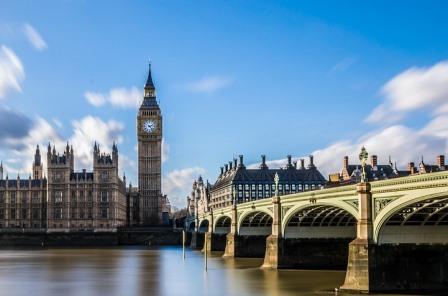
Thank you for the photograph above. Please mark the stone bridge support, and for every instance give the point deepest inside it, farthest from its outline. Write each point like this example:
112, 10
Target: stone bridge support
274, 242
232, 236
360, 259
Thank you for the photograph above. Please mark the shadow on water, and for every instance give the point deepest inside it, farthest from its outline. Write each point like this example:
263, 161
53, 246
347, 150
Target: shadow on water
151, 271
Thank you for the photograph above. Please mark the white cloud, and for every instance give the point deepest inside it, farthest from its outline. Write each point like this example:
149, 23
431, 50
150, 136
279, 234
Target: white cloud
89, 129
11, 71
403, 144
413, 89
95, 99
177, 184
119, 97
34, 37
208, 84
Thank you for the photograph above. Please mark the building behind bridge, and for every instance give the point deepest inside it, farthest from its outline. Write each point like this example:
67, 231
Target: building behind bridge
351, 173
237, 183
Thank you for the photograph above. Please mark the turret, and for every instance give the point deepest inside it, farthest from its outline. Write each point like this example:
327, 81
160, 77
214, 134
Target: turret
37, 165
1, 170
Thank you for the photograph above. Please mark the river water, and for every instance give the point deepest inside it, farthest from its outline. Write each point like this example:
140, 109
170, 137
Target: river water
142, 271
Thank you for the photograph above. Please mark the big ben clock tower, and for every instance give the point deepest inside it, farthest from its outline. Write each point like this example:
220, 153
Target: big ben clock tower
149, 135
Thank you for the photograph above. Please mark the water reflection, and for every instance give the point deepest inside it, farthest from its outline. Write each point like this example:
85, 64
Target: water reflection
142, 271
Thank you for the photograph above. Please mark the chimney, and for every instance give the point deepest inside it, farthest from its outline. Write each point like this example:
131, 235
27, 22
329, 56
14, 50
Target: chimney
227, 167
222, 171
230, 165
295, 164
241, 161
289, 162
311, 165
235, 163
411, 168
263, 162
374, 160
441, 161
302, 163
345, 163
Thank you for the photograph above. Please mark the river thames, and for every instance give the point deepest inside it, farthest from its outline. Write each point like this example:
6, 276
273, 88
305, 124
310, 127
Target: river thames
140, 271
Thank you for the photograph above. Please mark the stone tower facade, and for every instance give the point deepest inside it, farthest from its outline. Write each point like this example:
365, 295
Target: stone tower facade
149, 135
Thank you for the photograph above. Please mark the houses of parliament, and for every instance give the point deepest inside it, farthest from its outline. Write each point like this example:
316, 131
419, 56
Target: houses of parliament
62, 199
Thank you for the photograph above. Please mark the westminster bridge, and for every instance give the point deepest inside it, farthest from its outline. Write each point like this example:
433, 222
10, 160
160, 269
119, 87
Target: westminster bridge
389, 235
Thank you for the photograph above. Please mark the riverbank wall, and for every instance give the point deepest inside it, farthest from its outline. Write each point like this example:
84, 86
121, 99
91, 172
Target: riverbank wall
123, 237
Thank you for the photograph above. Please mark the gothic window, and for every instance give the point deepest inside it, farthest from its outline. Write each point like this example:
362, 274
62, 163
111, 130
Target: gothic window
300, 187
35, 197
90, 196
89, 213
24, 213
306, 187
286, 186
260, 194
104, 213
13, 214
253, 194
312, 186
13, 198
2, 214
35, 214
253, 187
273, 186
57, 214
2, 197
58, 197
293, 187
246, 186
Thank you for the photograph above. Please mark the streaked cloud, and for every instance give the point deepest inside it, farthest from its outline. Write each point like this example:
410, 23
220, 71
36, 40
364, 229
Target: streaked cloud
343, 65
34, 37
209, 84
11, 71
177, 184
411, 90
119, 97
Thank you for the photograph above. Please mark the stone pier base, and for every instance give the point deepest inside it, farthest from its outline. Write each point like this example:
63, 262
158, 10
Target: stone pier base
407, 268
303, 253
215, 242
197, 241
274, 251
357, 277
229, 251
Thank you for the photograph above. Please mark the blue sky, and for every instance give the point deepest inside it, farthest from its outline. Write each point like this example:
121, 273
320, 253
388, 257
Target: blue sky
232, 77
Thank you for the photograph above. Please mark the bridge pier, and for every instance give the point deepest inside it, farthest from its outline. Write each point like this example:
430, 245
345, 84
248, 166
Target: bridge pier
360, 259
197, 240
231, 237
274, 242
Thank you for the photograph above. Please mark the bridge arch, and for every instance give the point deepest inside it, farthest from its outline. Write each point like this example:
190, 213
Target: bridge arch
222, 224
255, 222
414, 218
320, 220
203, 226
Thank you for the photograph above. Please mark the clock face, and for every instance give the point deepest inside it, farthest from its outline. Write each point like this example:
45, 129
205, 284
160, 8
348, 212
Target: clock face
149, 126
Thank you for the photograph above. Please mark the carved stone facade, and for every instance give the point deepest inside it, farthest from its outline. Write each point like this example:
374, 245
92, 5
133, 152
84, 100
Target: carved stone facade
67, 200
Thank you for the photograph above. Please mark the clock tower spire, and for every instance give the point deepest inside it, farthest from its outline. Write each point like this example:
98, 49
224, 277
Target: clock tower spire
149, 135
